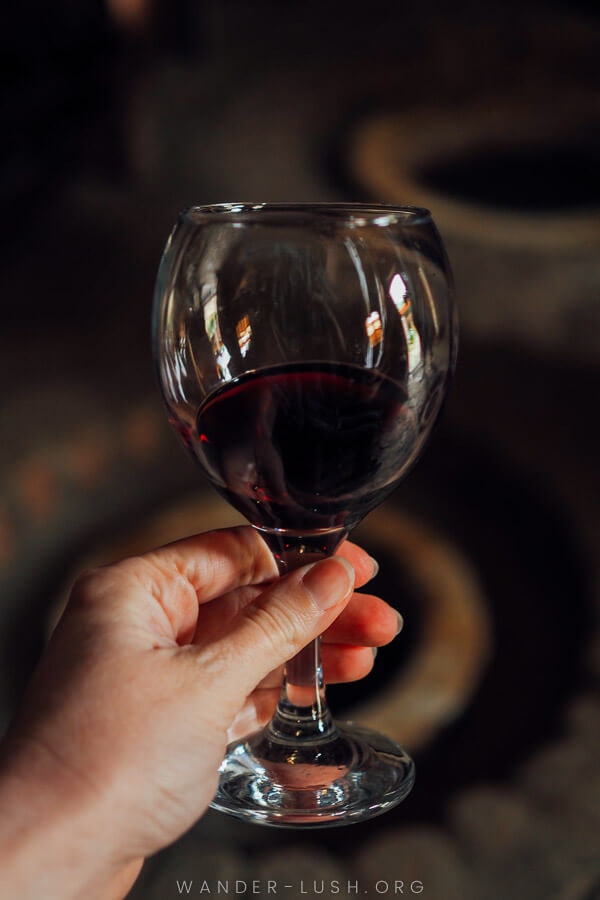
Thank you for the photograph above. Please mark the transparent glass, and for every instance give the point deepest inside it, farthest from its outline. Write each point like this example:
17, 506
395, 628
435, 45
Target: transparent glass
303, 353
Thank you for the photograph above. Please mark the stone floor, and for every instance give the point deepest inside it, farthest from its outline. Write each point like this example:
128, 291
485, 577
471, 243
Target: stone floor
507, 800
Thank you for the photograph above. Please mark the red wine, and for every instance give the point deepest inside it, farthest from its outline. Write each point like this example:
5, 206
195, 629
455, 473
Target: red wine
306, 447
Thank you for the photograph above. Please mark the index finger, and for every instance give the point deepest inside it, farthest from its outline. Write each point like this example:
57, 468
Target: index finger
191, 572
216, 562
364, 565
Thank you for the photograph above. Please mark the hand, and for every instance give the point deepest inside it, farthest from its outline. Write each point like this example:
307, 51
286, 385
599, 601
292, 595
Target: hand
156, 663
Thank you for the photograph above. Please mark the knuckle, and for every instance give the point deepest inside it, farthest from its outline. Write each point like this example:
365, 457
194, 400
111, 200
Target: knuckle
281, 628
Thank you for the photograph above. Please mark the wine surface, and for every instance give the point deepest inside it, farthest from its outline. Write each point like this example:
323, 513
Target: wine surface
305, 447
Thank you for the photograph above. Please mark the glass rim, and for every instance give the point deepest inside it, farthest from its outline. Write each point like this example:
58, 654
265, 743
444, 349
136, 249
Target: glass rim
354, 213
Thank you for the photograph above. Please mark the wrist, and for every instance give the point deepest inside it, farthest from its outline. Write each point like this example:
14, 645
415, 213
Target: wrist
51, 830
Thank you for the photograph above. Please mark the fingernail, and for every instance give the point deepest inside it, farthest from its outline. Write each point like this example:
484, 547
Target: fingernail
329, 581
400, 625
375, 565
374, 649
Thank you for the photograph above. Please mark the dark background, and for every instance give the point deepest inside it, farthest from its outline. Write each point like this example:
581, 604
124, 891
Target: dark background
115, 117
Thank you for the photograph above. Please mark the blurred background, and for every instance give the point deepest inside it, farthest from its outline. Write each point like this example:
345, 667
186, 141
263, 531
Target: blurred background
117, 113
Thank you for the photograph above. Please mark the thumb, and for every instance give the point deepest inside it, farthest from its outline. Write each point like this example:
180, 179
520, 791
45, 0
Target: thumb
285, 617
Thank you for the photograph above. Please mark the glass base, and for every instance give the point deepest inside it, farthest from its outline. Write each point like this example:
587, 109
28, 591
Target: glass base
352, 775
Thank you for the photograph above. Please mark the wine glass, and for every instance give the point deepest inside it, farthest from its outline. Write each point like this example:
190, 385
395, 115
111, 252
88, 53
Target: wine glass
303, 352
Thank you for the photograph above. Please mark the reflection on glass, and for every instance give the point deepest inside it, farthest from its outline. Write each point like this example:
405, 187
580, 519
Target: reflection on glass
243, 330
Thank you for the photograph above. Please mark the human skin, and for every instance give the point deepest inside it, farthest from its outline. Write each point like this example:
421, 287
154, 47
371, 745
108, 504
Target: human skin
157, 662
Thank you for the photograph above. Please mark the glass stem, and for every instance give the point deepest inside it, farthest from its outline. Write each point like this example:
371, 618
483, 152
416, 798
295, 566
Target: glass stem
302, 714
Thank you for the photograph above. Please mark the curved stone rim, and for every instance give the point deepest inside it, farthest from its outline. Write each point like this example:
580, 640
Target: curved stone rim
387, 149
